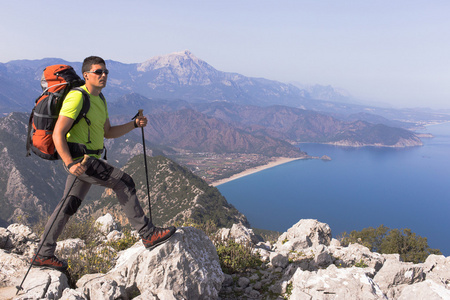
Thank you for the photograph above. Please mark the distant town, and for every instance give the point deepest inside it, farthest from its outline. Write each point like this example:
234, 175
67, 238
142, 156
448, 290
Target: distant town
212, 167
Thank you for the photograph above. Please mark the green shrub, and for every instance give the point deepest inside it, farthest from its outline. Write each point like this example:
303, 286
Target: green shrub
90, 260
209, 227
86, 230
95, 257
289, 289
235, 258
411, 247
124, 243
267, 235
361, 264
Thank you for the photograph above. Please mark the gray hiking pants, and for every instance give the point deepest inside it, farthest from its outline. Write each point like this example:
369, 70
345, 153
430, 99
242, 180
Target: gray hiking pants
98, 172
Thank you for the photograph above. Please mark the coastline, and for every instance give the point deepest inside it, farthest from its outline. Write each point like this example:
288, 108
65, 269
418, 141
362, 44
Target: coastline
275, 162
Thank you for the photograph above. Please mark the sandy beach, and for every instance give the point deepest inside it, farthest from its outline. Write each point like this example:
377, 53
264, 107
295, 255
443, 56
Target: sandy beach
275, 162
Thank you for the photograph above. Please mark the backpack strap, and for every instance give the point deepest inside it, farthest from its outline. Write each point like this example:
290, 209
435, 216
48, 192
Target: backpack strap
86, 104
84, 110
85, 107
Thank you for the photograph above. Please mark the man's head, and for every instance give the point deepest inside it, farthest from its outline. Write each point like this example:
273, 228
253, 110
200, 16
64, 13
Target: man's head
91, 60
95, 74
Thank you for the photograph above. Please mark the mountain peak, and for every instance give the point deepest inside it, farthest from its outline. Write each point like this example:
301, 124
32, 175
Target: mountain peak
185, 52
176, 60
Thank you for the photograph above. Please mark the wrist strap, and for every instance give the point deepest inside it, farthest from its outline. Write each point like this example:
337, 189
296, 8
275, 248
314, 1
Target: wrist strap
70, 165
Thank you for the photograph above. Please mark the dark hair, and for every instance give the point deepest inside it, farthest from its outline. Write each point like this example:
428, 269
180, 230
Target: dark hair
91, 60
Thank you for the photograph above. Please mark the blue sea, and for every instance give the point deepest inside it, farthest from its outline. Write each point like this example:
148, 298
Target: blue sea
358, 188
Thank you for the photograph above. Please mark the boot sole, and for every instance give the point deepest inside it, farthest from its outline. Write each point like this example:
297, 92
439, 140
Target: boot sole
50, 267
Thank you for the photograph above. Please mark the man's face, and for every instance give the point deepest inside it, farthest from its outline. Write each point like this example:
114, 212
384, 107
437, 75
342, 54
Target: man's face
96, 76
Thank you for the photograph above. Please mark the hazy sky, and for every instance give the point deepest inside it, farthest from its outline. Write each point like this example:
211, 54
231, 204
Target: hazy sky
391, 51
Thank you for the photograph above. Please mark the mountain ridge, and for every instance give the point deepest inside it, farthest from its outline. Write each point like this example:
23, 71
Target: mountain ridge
277, 125
183, 76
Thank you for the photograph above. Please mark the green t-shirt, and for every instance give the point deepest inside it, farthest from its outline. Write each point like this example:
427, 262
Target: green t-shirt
97, 115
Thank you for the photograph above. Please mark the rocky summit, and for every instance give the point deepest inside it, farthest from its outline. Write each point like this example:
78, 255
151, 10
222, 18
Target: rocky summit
304, 263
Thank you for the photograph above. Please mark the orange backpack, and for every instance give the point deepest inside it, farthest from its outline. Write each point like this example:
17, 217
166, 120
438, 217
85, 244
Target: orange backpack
56, 82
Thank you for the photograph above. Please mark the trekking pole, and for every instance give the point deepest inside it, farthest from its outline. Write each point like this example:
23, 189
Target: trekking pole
140, 114
83, 162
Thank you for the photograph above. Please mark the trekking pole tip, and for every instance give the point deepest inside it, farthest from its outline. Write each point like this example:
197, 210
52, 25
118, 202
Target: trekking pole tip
19, 288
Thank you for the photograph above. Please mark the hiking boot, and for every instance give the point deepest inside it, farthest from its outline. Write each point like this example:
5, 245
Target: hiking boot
158, 237
50, 262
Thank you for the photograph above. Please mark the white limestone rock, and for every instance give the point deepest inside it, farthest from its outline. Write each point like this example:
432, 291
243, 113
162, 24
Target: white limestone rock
114, 235
242, 234
22, 239
69, 246
5, 239
427, 289
239, 233
102, 287
357, 254
279, 259
43, 284
334, 283
437, 268
394, 274
187, 266
12, 268
70, 294
106, 224
306, 233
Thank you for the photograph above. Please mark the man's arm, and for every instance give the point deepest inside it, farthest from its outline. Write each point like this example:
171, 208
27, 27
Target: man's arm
112, 132
63, 125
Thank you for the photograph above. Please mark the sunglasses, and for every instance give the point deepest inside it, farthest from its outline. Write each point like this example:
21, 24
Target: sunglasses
99, 72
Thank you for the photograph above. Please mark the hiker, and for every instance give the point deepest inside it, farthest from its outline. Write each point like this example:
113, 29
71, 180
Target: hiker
86, 137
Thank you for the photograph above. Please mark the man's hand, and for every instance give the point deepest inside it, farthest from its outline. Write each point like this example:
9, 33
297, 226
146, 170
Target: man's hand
77, 169
141, 121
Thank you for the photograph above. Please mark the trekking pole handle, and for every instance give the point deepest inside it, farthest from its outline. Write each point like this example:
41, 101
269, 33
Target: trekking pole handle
140, 112
85, 159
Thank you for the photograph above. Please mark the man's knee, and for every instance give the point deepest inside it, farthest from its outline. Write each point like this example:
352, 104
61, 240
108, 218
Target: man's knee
129, 182
73, 203
126, 184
